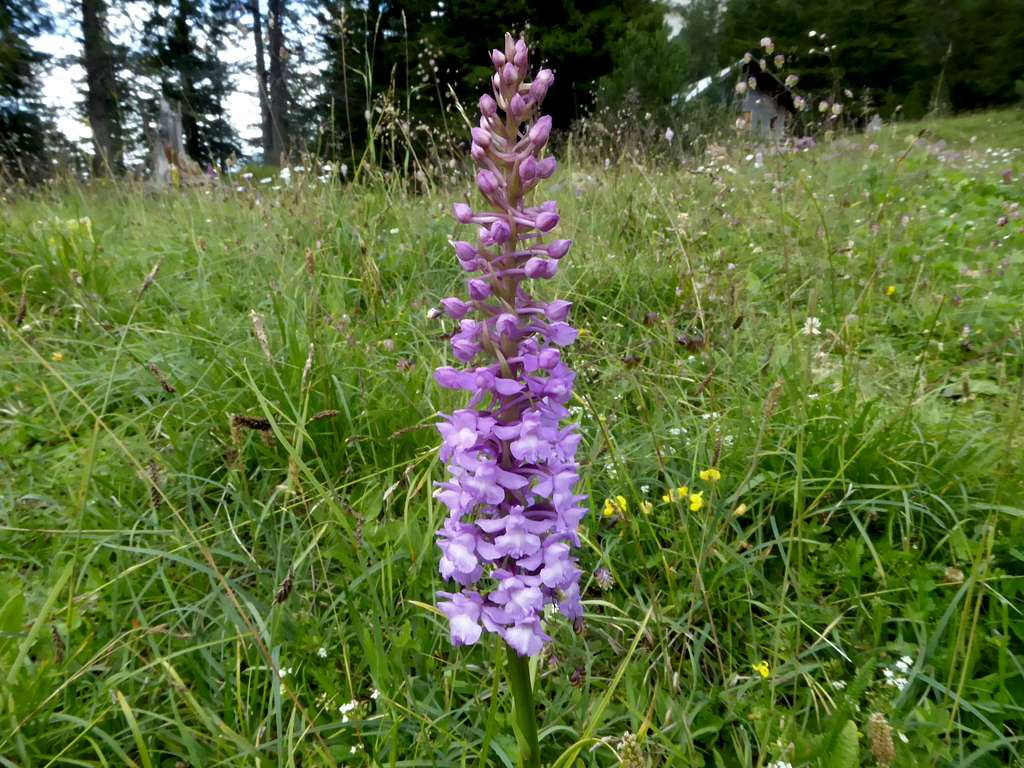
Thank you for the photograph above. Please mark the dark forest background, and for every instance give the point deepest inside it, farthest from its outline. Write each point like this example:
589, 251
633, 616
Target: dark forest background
334, 78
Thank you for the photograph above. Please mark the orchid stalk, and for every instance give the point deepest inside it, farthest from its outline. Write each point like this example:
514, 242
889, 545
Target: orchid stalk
510, 458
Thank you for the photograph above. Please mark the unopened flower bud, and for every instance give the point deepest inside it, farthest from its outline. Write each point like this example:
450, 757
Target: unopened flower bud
545, 76
509, 74
479, 289
488, 106
547, 221
528, 169
517, 107
542, 268
540, 131
481, 136
497, 58
487, 183
455, 308
478, 153
558, 248
546, 167
462, 212
464, 251
506, 324
521, 55
500, 231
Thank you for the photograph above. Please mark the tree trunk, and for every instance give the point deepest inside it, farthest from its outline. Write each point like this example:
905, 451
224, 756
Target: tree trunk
278, 84
266, 126
169, 162
101, 96
189, 123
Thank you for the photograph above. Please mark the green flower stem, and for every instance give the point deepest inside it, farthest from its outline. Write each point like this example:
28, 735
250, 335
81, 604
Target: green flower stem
525, 714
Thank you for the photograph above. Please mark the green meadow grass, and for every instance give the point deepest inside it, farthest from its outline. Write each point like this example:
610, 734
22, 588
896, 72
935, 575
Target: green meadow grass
211, 544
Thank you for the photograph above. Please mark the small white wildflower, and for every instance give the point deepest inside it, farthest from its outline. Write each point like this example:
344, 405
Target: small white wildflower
812, 327
839, 684
645, 489
266, 179
823, 106
322, 652
394, 231
837, 109
767, 44
348, 707
669, 135
791, 80
375, 694
780, 764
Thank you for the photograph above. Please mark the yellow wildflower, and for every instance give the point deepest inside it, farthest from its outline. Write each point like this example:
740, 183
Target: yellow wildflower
675, 494
57, 357
890, 291
646, 507
762, 669
697, 501
617, 505
710, 475
740, 510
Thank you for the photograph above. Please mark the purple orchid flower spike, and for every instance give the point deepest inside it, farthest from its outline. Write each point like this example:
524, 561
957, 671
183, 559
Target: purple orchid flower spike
512, 473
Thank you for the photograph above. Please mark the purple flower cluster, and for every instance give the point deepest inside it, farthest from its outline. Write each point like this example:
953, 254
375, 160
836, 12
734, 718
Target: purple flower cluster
512, 473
